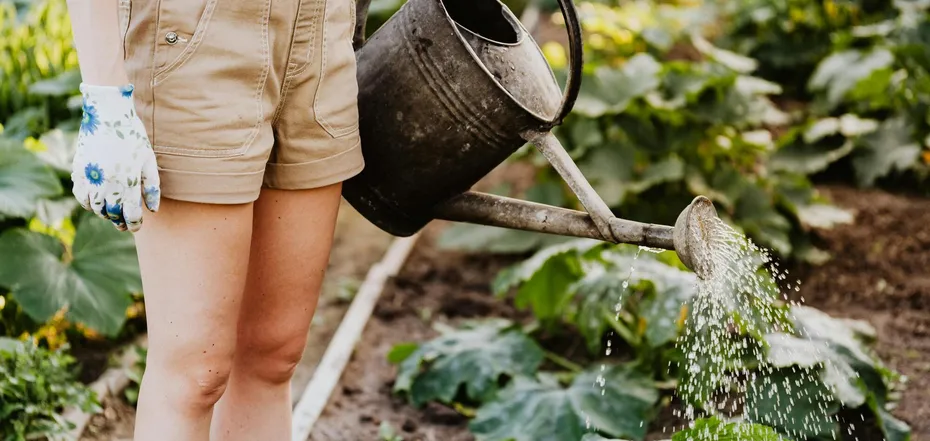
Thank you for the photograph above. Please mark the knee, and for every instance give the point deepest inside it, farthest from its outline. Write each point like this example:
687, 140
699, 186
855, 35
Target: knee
191, 383
270, 358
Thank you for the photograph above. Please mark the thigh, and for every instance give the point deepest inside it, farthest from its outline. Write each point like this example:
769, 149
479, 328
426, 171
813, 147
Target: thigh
291, 239
194, 259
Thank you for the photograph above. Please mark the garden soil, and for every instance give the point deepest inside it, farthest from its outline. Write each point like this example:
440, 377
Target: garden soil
879, 273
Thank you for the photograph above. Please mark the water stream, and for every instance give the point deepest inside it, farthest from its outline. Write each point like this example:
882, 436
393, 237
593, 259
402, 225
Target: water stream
736, 306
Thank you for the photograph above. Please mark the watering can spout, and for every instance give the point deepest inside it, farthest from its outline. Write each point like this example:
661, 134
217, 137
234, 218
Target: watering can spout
688, 238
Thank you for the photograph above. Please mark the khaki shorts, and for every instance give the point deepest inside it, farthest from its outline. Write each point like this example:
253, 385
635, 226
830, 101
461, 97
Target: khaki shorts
240, 94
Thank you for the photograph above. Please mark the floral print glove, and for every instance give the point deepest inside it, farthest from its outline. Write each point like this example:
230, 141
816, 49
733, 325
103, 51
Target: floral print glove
114, 168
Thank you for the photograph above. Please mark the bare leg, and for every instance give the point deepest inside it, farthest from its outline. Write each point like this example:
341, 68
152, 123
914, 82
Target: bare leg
194, 259
291, 241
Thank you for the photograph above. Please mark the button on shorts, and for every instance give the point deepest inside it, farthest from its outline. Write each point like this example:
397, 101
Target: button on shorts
240, 94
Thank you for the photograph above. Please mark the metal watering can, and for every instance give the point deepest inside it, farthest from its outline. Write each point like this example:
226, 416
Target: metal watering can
448, 89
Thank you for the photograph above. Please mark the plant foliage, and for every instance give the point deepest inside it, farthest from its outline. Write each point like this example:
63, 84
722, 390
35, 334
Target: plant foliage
35, 386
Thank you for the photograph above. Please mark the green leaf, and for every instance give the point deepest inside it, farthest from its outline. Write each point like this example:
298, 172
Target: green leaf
401, 352
617, 401
793, 401
893, 428
94, 283
890, 148
759, 217
834, 348
52, 212
475, 357
58, 150
545, 278
841, 71
823, 216
731, 60
596, 437
808, 159
24, 180
64, 84
610, 91
713, 429
818, 356
470, 237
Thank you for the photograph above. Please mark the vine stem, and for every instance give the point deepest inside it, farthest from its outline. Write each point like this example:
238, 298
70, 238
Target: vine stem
563, 362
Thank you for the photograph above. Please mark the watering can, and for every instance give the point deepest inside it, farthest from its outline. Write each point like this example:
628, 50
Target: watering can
448, 89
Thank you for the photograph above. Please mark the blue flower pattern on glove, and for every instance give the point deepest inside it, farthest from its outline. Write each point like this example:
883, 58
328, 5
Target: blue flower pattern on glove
94, 174
152, 197
114, 171
89, 121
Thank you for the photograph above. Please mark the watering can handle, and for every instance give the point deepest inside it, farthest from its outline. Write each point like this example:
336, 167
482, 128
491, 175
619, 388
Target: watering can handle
361, 19
575, 57
575, 51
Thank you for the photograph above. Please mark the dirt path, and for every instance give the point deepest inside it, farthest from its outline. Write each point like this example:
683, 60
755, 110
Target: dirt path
879, 273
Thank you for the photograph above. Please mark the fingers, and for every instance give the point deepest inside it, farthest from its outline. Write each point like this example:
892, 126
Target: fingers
79, 190
151, 184
132, 209
95, 195
113, 211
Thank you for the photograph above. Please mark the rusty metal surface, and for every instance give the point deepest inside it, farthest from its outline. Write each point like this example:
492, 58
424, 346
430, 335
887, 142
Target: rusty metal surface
434, 118
498, 211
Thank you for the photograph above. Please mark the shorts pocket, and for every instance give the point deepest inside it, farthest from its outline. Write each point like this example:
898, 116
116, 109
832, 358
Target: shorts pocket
123, 14
336, 101
180, 30
211, 104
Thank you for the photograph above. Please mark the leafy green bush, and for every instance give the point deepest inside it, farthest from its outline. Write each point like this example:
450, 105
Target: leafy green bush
54, 257
871, 102
814, 368
36, 385
38, 68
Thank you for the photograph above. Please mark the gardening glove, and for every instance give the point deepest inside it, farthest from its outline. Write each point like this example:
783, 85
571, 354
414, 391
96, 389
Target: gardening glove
114, 166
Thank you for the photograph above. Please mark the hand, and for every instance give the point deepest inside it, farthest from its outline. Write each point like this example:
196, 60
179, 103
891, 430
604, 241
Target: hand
114, 167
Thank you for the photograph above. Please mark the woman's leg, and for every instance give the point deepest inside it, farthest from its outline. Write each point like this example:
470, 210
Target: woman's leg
194, 259
291, 240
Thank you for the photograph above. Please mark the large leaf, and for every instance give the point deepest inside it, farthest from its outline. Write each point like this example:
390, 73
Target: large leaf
610, 91
617, 401
893, 428
64, 84
24, 180
841, 71
93, 282
475, 357
847, 338
823, 215
826, 363
470, 237
809, 159
889, 148
545, 278
794, 401
713, 429
596, 437
57, 150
